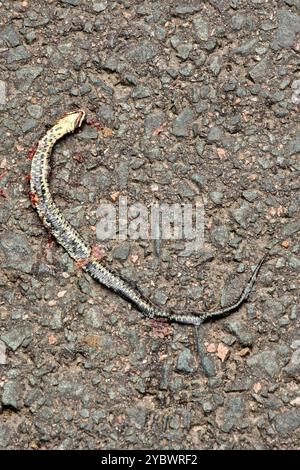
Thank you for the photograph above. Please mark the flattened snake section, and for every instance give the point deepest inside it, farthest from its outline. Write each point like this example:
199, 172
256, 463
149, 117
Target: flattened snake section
72, 242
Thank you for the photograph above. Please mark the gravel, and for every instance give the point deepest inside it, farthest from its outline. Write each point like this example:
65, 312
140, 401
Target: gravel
182, 123
184, 100
266, 361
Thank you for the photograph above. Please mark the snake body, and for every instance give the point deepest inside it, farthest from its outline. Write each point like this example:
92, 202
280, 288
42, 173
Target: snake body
72, 242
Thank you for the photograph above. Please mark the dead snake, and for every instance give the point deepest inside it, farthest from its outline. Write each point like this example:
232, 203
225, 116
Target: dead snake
72, 242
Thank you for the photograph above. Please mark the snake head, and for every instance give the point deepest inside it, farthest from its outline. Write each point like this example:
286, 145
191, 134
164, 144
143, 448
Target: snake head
71, 121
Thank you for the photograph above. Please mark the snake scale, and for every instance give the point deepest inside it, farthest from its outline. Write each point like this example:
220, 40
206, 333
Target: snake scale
72, 242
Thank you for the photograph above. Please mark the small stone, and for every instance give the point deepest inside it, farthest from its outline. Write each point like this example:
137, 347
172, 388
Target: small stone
14, 338
211, 348
294, 312
140, 92
293, 147
30, 37
201, 28
35, 111
207, 365
287, 422
5, 435
10, 35
207, 407
98, 415
26, 75
265, 360
237, 22
71, 387
195, 293
17, 54
28, 124
99, 6
240, 384
186, 190
185, 8
13, 395
183, 50
122, 251
186, 362
291, 228
242, 214
250, 195
2, 353
229, 340
139, 416
154, 121
182, 123
199, 180
240, 331
273, 310
223, 352
220, 236
292, 369
74, 3
200, 147
234, 414
216, 197
143, 53
215, 134
259, 72
160, 298
94, 318
288, 26
88, 133
106, 114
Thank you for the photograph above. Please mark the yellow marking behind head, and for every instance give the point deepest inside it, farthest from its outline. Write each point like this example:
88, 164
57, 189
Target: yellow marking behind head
70, 121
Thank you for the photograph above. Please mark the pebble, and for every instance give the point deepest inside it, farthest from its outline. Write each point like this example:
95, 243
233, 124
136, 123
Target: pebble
266, 361
94, 318
215, 134
287, 422
15, 337
5, 436
143, 53
35, 110
260, 71
201, 28
186, 362
12, 395
292, 369
220, 236
288, 26
163, 66
141, 92
234, 415
98, 7
242, 214
182, 123
122, 251
240, 331
19, 53
154, 121
74, 3
246, 48
293, 147
10, 35
216, 197
237, 22
3, 357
